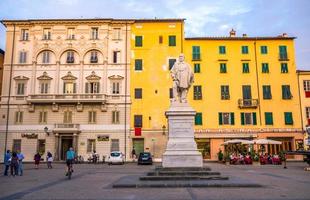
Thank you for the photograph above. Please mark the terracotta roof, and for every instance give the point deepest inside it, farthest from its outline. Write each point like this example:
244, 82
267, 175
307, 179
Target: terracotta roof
241, 38
302, 71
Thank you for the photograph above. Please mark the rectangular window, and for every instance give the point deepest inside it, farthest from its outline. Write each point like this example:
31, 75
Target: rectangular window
223, 68
170, 93
138, 65
306, 85
41, 147
284, 68
114, 145
196, 52
283, 53
225, 92
116, 33
92, 117
46, 57
93, 57
263, 49
115, 117
265, 68
268, 118
138, 93
172, 40
160, 39
19, 117
43, 117
171, 63
70, 57
22, 57
308, 112
288, 118
248, 118
196, 68
92, 87
198, 118
139, 41
94, 33
67, 117
69, 88
91, 145
71, 34
17, 144
226, 118
138, 121
246, 92
267, 92
24, 34
222, 49
20, 89
46, 34
116, 57
115, 87
286, 92
245, 49
44, 88
245, 68
197, 92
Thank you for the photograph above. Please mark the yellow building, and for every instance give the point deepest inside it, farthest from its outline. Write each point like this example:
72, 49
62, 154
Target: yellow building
245, 87
304, 92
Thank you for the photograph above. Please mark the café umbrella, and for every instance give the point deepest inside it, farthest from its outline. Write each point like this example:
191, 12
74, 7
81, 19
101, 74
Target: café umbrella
238, 141
266, 141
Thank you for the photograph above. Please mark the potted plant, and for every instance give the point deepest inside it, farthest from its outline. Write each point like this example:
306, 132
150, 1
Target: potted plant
255, 157
226, 158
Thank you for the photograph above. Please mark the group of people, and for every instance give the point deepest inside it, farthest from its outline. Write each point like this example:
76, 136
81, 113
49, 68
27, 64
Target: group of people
241, 159
13, 161
270, 159
247, 159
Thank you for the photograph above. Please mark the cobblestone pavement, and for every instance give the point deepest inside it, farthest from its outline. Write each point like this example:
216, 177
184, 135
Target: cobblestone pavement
95, 182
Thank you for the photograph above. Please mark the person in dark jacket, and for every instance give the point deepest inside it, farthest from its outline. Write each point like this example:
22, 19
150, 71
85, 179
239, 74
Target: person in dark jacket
14, 164
37, 159
49, 159
7, 162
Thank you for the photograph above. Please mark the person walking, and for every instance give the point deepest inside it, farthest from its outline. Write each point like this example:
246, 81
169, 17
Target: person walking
37, 159
21, 157
7, 159
14, 164
49, 159
133, 154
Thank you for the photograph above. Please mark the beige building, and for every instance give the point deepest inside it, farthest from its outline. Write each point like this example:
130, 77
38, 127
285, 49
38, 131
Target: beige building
304, 93
69, 87
1, 67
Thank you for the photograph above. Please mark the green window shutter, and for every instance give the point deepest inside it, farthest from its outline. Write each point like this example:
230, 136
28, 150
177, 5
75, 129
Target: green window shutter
198, 119
283, 52
138, 41
196, 68
245, 68
232, 118
265, 68
284, 68
138, 64
220, 119
242, 119
268, 118
196, 52
172, 40
171, 63
244, 49
222, 49
266, 92
254, 118
223, 68
286, 92
263, 50
288, 118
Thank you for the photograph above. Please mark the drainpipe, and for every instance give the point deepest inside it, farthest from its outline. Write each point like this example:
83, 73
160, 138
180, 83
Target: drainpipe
300, 107
125, 128
9, 96
257, 84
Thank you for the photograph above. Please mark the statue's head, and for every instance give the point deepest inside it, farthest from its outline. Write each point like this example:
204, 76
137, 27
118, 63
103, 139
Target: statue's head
181, 57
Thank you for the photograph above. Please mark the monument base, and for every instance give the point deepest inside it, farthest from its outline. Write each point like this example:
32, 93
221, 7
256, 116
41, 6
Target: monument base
181, 147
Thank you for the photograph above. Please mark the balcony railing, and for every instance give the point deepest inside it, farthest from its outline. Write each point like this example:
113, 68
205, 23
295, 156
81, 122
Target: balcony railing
66, 98
248, 103
67, 125
66, 128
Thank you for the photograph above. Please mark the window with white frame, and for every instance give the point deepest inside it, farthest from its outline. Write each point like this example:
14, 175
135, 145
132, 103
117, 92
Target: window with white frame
307, 85
19, 117
24, 34
46, 34
67, 117
116, 33
115, 117
46, 57
226, 118
20, 87
94, 33
70, 57
116, 87
92, 117
43, 117
44, 87
22, 57
69, 87
116, 56
92, 87
91, 145
93, 57
71, 34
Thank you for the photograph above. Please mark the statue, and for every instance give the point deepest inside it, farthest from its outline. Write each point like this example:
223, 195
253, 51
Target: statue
183, 78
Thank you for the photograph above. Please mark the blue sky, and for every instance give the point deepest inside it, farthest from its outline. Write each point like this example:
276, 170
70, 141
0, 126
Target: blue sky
203, 17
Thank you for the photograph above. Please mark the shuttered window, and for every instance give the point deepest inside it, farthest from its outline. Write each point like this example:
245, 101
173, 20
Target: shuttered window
196, 68
284, 68
172, 40
198, 118
244, 49
138, 93
268, 118
265, 68
245, 68
263, 50
138, 41
225, 92
92, 115
248, 118
286, 92
223, 68
288, 117
138, 65
196, 52
222, 49
267, 92
226, 118
197, 92
171, 63
138, 121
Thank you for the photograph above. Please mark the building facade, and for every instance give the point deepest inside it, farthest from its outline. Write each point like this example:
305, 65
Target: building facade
304, 92
1, 67
69, 87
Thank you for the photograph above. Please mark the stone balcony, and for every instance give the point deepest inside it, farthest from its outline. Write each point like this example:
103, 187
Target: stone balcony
248, 103
66, 128
66, 98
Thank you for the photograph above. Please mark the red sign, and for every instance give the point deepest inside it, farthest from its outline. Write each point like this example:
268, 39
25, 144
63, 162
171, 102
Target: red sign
308, 121
307, 93
137, 131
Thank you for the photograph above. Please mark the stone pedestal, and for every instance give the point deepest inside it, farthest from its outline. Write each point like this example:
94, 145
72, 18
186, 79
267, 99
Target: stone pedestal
181, 147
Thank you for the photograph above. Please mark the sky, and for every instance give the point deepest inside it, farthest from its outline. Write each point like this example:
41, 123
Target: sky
203, 17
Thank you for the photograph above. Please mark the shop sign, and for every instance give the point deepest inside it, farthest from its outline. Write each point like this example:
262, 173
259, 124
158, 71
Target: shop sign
30, 135
103, 138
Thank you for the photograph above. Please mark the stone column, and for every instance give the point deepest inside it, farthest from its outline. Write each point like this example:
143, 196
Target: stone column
57, 77
56, 147
181, 147
34, 77
75, 142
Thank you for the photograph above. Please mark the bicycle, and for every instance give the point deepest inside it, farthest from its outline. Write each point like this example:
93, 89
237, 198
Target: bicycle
70, 171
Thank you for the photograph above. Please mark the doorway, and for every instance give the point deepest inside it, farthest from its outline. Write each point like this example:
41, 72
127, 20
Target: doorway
138, 144
66, 143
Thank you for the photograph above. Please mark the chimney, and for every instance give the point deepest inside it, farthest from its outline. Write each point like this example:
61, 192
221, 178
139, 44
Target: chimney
232, 33
284, 34
244, 35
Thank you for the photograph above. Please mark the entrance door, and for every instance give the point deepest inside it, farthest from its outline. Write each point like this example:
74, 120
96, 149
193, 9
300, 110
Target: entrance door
138, 144
66, 143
